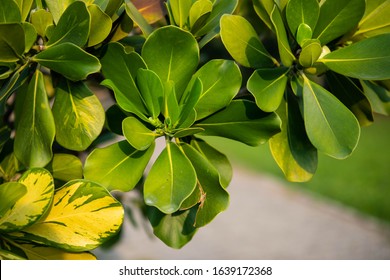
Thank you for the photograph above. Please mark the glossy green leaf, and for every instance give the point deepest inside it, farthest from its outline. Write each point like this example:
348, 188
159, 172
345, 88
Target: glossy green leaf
322, 115
106, 166
170, 181
36, 128
302, 11
122, 28
242, 121
137, 134
78, 115
10, 12
180, 10
152, 91
337, 17
221, 80
311, 51
137, 17
57, 7
41, 19
30, 207
243, 43
30, 35
285, 53
65, 167
73, 26
190, 99
10, 193
291, 148
268, 87
350, 92
114, 118
173, 54
24, 7
12, 42
217, 159
170, 106
176, 229
101, 25
368, 59
9, 166
69, 60
83, 216
378, 96
304, 33
199, 13
263, 8
121, 68
184, 132
214, 198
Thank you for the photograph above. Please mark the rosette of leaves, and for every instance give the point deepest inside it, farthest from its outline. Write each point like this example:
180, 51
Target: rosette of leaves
330, 75
162, 93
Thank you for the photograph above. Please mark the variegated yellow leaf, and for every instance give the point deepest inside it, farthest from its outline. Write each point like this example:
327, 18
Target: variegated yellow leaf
30, 207
84, 215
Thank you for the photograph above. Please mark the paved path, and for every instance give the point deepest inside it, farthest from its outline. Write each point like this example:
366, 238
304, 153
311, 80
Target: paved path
266, 220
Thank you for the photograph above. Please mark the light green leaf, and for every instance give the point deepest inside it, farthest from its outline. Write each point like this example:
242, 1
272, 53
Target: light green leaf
69, 60
291, 148
30, 35
25, 7
190, 99
57, 7
368, 59
173, 54
199, 13
83, 216
12, 42
268, 87
78, 115
302, 11
170, 106
10, 165
29, 208
217, 159
322, 115
242, 121
137, 17
170, 181
176, 229
73, 26
10, 12
101, 25
285, 53
121, 68
65, 167
337, 17
137, 134
184, 132
36, 128
180, 10
10, 193
263, 8
378, 96
304, 33
106, 166
311, 51
41, 19
221, 80
214, 198
243, 43
122, 28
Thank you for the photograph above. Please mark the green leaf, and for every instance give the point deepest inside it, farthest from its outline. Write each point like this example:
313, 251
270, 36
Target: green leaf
25, 7
10, 193
190, 99
137, 134
121, 68
337, 17
311, 51
291, 148
12, 42
184, 132
106, 166
350, 92
268, 87
152, 91
78, 115
199, 13
171, 106
242, 121
285, 53
30, 207
137, 17
221, 80
121, 28
41, 19
65, 167
217, 159
69, 60
114, 118
368, 59
176, 229
30, 36
170, 181
101, 25
304, 33
302, 11
36, 128
9, 12
322, 115
214, 198
378, 96
243, 43
173, 54
263, 8
180, 10
57, 7
83, 216
73, 26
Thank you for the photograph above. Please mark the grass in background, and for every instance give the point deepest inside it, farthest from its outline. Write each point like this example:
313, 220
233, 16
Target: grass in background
361, 181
